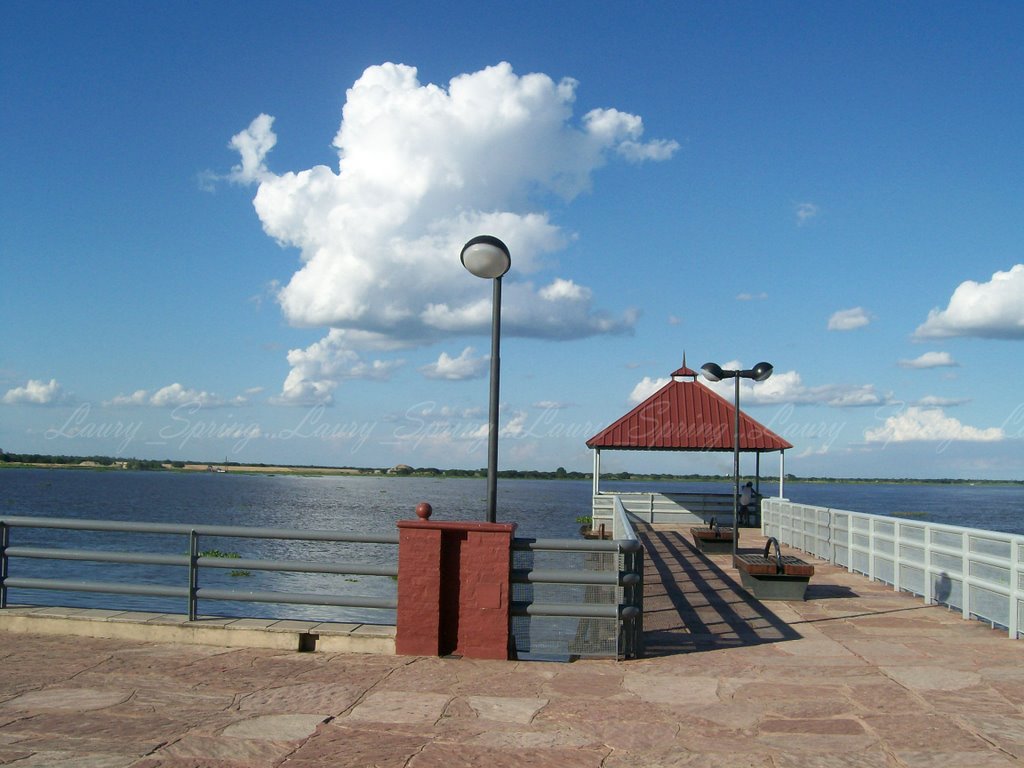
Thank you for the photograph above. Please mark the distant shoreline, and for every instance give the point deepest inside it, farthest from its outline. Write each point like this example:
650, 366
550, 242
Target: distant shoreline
264, 469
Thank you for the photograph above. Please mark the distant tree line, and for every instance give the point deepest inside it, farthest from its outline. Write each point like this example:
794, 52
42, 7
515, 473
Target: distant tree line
100, 461
112, 462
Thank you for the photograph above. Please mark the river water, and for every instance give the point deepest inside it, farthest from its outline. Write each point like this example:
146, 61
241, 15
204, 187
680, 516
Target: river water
541, 509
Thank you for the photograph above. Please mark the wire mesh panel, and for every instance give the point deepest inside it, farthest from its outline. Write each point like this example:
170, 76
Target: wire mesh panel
550, 636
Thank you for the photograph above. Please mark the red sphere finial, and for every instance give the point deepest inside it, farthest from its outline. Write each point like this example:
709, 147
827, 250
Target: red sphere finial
424, 510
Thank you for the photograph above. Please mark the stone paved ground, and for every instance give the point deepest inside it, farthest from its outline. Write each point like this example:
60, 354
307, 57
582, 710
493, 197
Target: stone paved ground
854, 676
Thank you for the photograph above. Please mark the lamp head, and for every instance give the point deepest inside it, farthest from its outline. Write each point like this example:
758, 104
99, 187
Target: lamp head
712, 371
761, 371
486, 256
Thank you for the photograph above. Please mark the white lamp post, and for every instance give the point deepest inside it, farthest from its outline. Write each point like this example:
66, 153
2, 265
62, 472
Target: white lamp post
715, 372
487, 257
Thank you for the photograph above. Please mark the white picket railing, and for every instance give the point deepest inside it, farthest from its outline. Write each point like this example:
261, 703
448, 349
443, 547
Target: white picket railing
980, 573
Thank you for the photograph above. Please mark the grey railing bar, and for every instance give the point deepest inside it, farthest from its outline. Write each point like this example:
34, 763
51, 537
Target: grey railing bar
562, 545
297, 598
204, 561
298, 566
99, 556
225, 531
108, 587
526, 576
584, 611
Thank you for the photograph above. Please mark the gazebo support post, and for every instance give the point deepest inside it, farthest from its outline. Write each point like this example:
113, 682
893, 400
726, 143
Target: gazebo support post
782, 473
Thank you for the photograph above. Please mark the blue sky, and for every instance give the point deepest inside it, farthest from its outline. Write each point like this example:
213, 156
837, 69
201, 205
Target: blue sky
232, 230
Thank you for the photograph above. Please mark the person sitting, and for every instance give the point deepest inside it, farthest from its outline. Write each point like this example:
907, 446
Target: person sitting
747, 504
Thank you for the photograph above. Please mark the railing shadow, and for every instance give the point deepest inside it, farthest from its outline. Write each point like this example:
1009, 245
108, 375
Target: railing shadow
691, 604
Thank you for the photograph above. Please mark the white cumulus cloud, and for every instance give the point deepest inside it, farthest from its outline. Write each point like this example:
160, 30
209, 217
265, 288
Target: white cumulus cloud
138, 397
319, 368
564, 289
421, 168
992, 310
252, 145
36, 392
928, 424
849, 319
645, 388
931, 360
788, 387
176, 394
465, 366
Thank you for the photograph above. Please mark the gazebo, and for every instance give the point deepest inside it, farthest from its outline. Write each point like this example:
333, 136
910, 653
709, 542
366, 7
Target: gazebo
685, 415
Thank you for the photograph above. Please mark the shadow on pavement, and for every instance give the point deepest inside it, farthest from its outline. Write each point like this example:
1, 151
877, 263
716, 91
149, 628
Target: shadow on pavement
692, 604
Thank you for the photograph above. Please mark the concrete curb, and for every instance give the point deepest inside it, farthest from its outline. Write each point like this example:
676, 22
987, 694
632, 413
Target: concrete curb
289, 635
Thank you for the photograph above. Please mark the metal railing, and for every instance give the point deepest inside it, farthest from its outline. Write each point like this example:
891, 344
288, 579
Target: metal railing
599, 595
656, 507
979, 572
595, 587
189, 587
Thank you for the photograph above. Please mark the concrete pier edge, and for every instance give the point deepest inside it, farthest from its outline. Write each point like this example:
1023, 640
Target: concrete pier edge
226, 632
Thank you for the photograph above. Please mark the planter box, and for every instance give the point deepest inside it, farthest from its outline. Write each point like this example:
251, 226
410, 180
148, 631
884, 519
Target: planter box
713, 541
774, 577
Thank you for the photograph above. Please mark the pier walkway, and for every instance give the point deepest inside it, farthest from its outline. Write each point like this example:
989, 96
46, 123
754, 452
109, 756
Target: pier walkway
856, 675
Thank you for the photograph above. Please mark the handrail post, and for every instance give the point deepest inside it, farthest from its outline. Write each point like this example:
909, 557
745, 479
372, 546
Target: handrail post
631, 610
193, 575
4, 541
634, 597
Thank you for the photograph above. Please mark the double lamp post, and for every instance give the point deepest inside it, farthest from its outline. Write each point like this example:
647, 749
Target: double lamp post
715, 372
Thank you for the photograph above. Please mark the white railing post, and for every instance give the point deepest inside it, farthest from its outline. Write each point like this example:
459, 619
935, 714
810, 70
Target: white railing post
965, 576
979, 588
1016, 596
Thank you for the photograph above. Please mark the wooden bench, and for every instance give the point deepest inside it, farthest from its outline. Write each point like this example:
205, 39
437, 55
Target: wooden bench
772, 576
712, 540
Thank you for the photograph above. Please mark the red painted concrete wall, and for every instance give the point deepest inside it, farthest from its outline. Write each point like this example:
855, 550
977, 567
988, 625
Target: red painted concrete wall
454, 589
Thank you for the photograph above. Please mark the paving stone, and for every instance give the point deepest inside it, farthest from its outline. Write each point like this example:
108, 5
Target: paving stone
216, 750
441, 755
870, 758
925, 732
796, 701
670, 689
330, 698
342, 746
276, 727
72, 699
1006, 731
688, 760
95, 728
506, 709
883, 696
400, 707
514, 740
816, 726
930, 678
190, 762
62, 759
973, 759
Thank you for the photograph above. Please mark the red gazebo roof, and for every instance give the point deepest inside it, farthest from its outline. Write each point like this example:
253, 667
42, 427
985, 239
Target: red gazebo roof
685, 415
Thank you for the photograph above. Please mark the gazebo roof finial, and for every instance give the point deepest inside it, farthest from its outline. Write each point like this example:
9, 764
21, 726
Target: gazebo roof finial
684, 371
